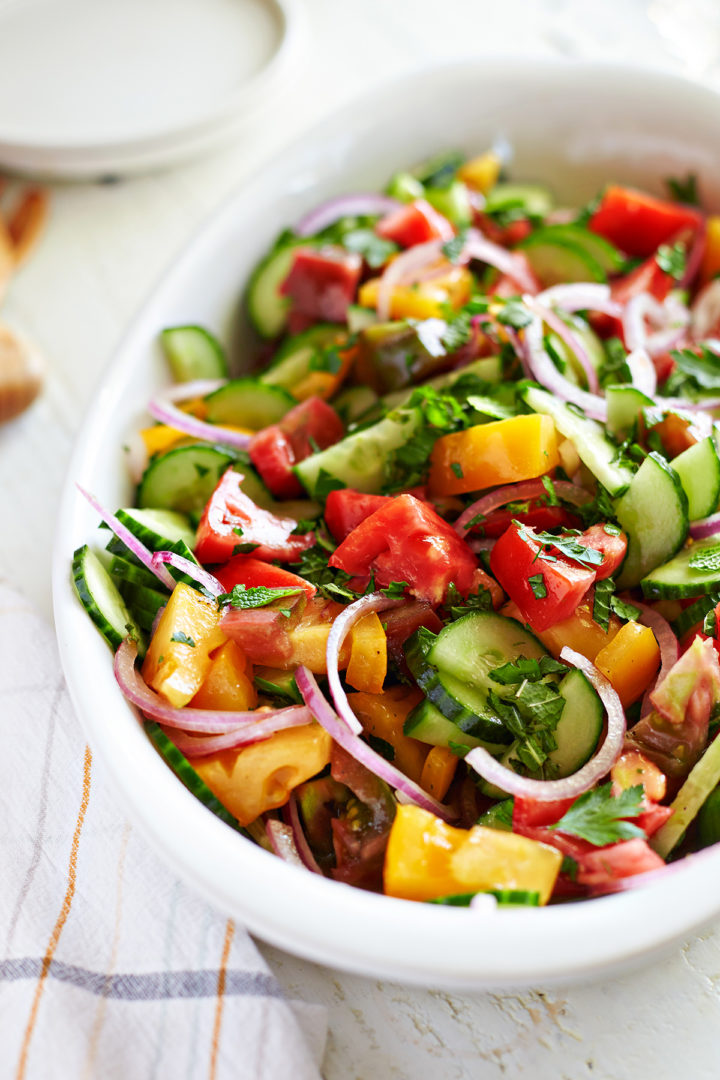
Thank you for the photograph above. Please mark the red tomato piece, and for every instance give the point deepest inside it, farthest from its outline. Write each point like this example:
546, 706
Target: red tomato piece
414, 224
649, 277
322, 282
517, 557
602, 867
537, 517
275, 449
638, 223
533, 812
346, 508
406, 540
245, 570
613, 548
231, 518
653, 818
261, 633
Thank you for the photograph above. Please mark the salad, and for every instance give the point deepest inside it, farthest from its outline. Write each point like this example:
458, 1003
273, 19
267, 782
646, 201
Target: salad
428, 604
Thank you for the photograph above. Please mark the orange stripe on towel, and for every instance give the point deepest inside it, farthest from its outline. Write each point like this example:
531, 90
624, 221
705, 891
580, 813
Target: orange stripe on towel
229, 935
61, 919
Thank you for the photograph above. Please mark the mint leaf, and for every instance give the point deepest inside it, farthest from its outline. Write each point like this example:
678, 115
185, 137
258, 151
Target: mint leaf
183, 638
374, 249
258, 596
672, 260
604, 595
522, 669
514, 314
598, 816
452, 249
537, 584
395, 589
623, 609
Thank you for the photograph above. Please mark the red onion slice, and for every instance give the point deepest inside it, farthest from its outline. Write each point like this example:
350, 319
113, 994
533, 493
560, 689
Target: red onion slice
581, 296
123, 533
404, 268
385, 770
576, 347
340, 629
642, 372
526, 489
709, 526
162, 408
291, 817
282, 842
202, 721
671, 319
192, 569
359, 205
478, 247
581, 781
667, 642
263, 727
547, 374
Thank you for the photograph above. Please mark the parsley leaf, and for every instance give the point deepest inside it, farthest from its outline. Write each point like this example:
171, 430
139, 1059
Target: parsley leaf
684, 190
374, 249
537, 584
395, 589
457, 469
459, 605
599, 509
515, 314
183, 638
552, 496
257, 596
440, 414
614, 367
604, 593
565, 543
522, 669
672, 259
598, 816
325, 483
457, 332
332, 583
623, 609
695, 371
531, 715
452, 249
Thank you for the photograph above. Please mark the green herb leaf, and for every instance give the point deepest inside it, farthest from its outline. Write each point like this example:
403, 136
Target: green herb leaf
598, 816
537, 584
459, 605
710, 623
452, 249
498, 816
395, 589
374, 249
258, 596
531, 715
684, 190
604, 594
624, 610
672, 260
552, 495
697, 371
457, 333
570, 867
326, 483
565, 543
523, 669
457, 469
183, 638
515, 314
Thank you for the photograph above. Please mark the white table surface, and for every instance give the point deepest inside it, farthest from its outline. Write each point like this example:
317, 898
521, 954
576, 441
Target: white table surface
105, 247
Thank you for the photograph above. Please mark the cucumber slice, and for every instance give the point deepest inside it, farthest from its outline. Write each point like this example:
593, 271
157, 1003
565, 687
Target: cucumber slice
359, 318
587, 436
123, 570
624, 405
193, 353
267, 309
277, 683
453, 670
596, 247
248, 403
358, 460
293, 360
533, 200
101, 599
155, 528
558, 261
426, 723
184, 478
571, 366
654, 514
580, 726
488, 368
185, 772
699, 472
453, 202
405, 187
354, 402
141, 598
694, 571
694, 614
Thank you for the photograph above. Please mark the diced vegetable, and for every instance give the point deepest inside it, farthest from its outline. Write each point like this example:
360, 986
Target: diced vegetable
178, 657
630, 661
502, 452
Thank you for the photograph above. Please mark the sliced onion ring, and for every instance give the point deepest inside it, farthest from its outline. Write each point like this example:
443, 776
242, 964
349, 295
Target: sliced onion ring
667, 643
709, 526
576, 347
547, 374
162, 408
291, 817
526, 489
326, 717
341, 627
581, 296
581, 781
642, 371
282, 841
193, 570
507, 262
265, 725
202, 721
359, 205
131, 542
402, 269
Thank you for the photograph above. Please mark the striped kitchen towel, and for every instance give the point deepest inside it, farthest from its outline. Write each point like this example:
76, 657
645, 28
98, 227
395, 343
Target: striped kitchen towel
110, 968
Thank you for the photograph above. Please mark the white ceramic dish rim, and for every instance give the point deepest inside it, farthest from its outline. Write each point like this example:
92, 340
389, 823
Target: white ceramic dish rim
316, 918
164, 138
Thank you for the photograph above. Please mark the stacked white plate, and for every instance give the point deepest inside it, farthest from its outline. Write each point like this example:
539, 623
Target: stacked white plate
92, 88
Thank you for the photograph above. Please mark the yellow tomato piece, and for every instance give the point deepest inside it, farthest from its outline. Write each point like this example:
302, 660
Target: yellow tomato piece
427, 299
710, 265
253, 779
630, 661
438, 771
633, 768
481, 173
501, 452
160, 438
195, 406
228, 684
579, 632
178, 657
426, 858
384, 715
367, 666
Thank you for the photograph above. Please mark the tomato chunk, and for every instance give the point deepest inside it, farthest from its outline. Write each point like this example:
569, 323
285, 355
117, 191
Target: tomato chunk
414, 224
536, 516
638, 223
232, 518
346, 508
275, 449
245, 570
546, 587
611, 545
406, 540
322, 282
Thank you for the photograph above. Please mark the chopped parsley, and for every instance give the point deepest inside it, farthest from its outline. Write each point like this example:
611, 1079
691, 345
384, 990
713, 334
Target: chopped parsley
395, 589
498, 816
672, 260
604, 593
614, 368
552, 496
514, 314
459, 605
375, 250
457, 469
599, 817
440, 414
182, 638
531, 715
623, 609
538, 586
565, 543
697, 370
257, 596
452, 249
332, 583
457, 332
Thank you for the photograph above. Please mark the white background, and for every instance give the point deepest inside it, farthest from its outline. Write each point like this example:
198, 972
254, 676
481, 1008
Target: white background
105, 247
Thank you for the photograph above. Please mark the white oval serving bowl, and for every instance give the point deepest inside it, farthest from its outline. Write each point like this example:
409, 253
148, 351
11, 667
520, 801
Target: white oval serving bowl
573, 126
